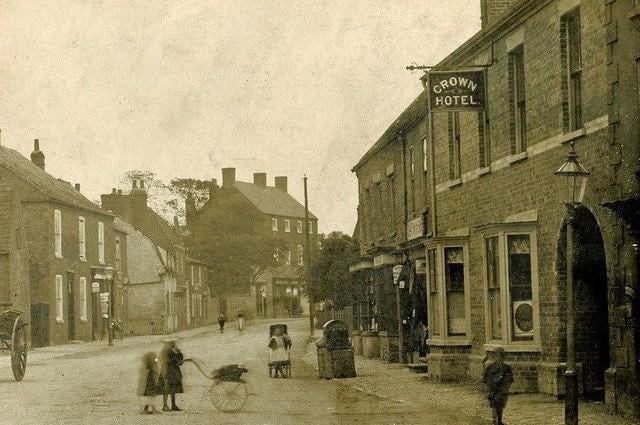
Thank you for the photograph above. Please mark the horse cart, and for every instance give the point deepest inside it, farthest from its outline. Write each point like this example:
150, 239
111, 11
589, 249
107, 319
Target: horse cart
13, 338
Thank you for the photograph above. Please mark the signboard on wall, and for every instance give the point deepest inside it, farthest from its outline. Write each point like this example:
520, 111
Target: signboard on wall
415, 228
457, 90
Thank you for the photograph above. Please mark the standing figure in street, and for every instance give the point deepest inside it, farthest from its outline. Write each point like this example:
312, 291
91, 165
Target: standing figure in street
148, 382
498, 377
170, 375
221, 321
240, 322
279, 345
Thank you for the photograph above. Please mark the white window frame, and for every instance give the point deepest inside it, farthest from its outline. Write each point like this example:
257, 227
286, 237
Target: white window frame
83, 299
199, 275
193, 274
310, 225
101, 258
300, 255
503, 232
59, 292
274, 224
82, 239
444, 338
288, 257
57, 232
299, 226
287, 225
118, 253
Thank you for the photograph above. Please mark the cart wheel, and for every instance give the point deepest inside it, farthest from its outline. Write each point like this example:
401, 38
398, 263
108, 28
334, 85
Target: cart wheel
228, 397
19, 350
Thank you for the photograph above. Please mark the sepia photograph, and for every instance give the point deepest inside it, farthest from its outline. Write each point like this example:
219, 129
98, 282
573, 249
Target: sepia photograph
347, 212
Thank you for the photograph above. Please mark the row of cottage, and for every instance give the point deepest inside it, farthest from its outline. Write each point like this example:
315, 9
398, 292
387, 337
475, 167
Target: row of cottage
72, 266
465, 205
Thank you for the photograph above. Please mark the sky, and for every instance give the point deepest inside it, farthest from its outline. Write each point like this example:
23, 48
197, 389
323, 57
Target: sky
184, 88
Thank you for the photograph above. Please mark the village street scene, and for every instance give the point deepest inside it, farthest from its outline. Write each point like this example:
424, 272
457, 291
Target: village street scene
324, 212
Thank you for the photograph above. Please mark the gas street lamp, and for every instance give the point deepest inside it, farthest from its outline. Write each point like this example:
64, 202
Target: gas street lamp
576, 181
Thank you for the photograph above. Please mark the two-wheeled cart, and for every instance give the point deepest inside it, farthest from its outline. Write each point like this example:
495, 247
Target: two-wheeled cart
228, 393
13, 338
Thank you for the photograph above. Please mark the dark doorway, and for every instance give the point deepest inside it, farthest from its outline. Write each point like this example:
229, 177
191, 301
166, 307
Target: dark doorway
71, 307
591, 303
40, 325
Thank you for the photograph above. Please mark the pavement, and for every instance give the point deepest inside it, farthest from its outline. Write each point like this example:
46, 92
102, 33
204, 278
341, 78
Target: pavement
96, 384
447, 403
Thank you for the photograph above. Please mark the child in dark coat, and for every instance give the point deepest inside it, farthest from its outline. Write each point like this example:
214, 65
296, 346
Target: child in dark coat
498, 377
148, 382
171, 359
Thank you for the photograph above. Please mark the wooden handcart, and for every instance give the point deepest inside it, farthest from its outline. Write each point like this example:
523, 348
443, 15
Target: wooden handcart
13, 338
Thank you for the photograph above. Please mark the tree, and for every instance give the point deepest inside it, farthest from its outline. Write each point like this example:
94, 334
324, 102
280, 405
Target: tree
329, 277
233, 241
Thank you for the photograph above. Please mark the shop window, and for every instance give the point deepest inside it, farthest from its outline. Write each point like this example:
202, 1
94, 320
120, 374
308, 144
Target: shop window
493, 287
454, 286
520, 288
511, 281
434, 295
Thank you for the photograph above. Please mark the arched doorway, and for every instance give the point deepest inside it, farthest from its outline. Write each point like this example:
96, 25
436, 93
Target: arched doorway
591, 301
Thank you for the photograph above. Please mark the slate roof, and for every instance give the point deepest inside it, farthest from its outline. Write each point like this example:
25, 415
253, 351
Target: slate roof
417, 110
144, 262
273, 201
44, 182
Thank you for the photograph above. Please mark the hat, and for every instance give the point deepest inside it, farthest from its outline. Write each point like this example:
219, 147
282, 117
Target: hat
169, 340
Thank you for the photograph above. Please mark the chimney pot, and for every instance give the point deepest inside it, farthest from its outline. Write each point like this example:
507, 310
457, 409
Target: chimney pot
281, 182
113, 190
260, 179
77, 185
37, 156
175, 221
119, 191
228, 177
134, 183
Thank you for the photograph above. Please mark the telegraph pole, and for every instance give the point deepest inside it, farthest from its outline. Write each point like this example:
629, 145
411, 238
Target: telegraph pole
308, 257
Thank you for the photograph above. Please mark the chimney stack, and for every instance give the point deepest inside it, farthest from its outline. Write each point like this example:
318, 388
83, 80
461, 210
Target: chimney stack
281, 183
77, 187
213, 188
175, 221
228, 177
37, 156
260, 179
113, 191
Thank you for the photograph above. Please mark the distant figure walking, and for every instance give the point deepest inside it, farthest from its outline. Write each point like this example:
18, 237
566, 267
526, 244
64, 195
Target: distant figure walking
170, 375
498, 377
221, 321
240, 322
148, 383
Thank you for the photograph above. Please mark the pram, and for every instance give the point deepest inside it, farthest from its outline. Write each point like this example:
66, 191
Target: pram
276, 358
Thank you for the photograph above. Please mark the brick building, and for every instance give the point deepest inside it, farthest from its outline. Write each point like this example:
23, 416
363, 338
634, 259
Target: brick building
495, 247
272, 212
156, 262
70, 245
392, 212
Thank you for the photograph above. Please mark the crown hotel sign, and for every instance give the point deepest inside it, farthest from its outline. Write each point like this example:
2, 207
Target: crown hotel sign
457, 90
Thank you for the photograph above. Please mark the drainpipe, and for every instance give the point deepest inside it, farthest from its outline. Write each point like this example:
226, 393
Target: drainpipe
403, 143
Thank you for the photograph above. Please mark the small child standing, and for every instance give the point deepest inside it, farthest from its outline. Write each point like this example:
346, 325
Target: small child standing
148, 382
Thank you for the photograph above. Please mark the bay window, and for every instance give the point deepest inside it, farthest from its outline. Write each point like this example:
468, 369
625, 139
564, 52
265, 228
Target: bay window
448, 290
511, 285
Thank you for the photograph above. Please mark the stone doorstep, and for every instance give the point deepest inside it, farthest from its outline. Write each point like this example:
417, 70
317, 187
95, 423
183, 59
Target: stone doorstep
418, 367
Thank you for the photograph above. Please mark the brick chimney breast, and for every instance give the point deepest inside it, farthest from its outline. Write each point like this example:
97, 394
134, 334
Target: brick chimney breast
281, 183
228, 177
37, 156
260, 179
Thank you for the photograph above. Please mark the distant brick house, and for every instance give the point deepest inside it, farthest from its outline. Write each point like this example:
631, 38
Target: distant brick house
156, 262
199, 308
276, 292
70, 246
558, 71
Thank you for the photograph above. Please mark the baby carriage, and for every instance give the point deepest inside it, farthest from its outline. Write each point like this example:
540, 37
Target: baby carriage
279, 353
228, 393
